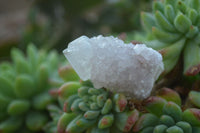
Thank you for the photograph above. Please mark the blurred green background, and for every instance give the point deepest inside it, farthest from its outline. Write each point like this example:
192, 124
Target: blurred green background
52, 24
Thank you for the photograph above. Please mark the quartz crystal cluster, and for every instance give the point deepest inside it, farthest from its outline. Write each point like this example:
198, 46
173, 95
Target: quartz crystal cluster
110, 63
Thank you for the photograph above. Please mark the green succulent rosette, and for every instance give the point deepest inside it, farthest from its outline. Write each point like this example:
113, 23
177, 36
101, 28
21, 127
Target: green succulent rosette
93, 110
166, 116
175, 27
24, 86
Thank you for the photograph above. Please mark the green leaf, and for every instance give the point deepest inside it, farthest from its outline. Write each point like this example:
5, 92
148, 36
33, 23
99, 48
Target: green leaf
11, 124
35, 121
186, 127
173, 110
107, 107
153, 103
167, 120
24, 86
18, 107
169, 95
120, 102
194, 97
124, 121
67, 73
192, 116
106, 121
160, 129
174, 129
170, 13
163, 22
182, 23
165, 36
191, 59
146, 120
64, 120
6, 88
148, 21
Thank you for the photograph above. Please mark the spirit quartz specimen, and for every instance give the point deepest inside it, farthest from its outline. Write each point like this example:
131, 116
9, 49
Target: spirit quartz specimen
109, 62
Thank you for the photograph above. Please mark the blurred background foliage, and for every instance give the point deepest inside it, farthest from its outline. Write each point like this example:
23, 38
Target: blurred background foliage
52, 24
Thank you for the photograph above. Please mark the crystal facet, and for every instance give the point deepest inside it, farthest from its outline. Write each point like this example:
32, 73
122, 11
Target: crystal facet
109, 62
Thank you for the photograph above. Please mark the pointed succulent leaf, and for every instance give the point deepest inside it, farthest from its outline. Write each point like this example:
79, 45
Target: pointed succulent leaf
147, 130
158, 6
181, 6
167, 120
160, 129
6, 88
182, 23
194, 98
195, 4
193, 16
83, 91
68, 103
148, 21
169, 95
32, 56
191, 64
67, 73
83, 106
94, 91
171, 54
120, 102
18, 107
24, 86
173, 110
146, 120
35, 121
64, 120
186, 127
42, 75
107, 107
97, 130
164, 36
163, 22
174, 129
41, 101
21, 65
170, 13
106, 121
101, 100
68, 89
193, 30
11, 124
192, 116
125, 121
75, 106
91, 114
153, 103
78, 125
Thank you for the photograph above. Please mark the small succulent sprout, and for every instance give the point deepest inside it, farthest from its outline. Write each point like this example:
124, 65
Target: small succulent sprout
166, 116
175, 24
96, 110
110, 63
24, 90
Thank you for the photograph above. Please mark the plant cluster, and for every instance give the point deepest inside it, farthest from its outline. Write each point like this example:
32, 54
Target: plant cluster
24, 96
174, 25
95, 111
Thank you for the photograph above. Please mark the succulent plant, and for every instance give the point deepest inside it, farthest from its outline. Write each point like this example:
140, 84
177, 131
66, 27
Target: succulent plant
166, 116
24, 86
94, 110
175, 26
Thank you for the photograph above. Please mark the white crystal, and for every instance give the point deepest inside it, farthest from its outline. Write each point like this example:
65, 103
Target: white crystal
108, 62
